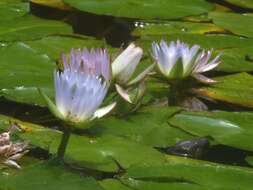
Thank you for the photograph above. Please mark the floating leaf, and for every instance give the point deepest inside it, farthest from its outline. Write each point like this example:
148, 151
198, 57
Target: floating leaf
235, 51
205, 41
235, 89
242, 3
178, 173
249, 159
153, 131
144, 9
49, 175
104, 153
166, 28
236, 60
235, 23
54, 46
113, 184
22, 70
10, 11
161, 185
30, 27
228, 128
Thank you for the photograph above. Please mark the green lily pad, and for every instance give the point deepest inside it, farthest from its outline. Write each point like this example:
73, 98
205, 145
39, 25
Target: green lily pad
154, 131
228, 128
180, 171
249, 159
10, 1
22, 70
242, 3
10, 11
234, 89
217, 42
113, 184
156, 184
143, 9
30, 27
165, 28
54, 46
104, 153
235, 23
49, 175
236, 60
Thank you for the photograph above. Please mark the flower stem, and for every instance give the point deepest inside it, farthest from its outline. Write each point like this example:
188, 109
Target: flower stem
64, 141
175, 93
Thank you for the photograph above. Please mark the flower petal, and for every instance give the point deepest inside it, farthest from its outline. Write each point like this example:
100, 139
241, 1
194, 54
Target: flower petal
125, 64
12, 163
103, 111
51, 105
204, 79
123, 93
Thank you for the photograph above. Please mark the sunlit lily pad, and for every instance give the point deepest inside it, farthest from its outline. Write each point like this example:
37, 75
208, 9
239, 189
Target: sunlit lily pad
234, 89
154, 132
235, 23
228, 128
144, 9
113, 184
166, 28
153, 184
242, 3
30, 27
236, 60
179, 173
22, 71
48, 175
249, 159
54, 46
215, 41
105, 153
13, 10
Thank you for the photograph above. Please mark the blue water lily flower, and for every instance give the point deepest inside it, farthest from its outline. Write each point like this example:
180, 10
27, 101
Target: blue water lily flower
81, 86
178, 60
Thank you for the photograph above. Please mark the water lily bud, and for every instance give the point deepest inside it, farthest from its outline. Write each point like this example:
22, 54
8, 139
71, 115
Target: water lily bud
81, 86
178, 60
125, 64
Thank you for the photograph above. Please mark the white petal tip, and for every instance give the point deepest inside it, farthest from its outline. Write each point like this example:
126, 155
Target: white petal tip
12, 164
204, 79
123, 93
103, 111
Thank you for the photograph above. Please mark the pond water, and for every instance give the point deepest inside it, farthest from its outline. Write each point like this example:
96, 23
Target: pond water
185, 124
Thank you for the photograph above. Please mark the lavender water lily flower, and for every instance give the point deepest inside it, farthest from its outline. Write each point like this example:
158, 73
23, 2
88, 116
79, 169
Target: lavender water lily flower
81, 86
177, 60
